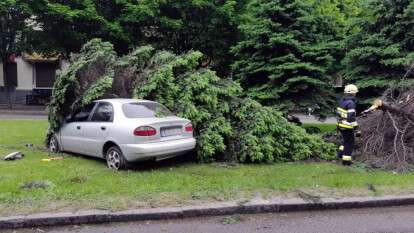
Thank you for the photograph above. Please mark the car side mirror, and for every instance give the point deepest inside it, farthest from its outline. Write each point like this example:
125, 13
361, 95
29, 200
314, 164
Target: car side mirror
68, 119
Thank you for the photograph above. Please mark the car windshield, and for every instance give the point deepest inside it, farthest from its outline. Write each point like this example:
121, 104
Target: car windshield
145, 110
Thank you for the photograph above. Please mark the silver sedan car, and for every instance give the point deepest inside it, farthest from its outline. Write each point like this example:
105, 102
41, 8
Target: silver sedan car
124, 130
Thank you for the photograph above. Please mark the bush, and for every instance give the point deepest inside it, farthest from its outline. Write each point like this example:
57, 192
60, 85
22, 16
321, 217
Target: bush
88, 78
263, 134
226, 126
192, 92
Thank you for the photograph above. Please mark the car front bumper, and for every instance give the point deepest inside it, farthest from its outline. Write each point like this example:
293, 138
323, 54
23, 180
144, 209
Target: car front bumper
158, 150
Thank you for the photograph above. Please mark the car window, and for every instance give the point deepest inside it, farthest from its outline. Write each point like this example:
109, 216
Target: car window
145, 110
103, 113
83, 113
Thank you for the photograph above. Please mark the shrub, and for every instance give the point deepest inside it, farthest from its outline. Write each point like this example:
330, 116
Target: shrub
89, 77
263, 134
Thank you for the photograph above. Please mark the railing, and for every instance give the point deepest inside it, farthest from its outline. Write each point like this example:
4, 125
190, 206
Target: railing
39, 96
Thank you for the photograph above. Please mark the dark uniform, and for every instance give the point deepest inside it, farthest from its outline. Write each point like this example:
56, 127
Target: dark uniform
347, 125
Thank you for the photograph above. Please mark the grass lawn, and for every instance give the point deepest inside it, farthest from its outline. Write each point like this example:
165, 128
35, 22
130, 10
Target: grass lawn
324, 127
81, 183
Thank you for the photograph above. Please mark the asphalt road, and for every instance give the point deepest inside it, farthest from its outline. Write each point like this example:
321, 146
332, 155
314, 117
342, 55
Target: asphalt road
378, 220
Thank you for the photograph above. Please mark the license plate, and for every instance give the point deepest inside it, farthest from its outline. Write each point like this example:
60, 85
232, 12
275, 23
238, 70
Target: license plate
167, 132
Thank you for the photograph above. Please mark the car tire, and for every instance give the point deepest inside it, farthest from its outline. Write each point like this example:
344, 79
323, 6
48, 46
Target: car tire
115, 159
54, 145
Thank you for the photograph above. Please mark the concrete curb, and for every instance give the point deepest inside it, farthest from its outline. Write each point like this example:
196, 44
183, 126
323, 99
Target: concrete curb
215, 209
23, 112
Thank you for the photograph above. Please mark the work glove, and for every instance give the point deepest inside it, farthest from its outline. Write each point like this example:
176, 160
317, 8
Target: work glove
358, 133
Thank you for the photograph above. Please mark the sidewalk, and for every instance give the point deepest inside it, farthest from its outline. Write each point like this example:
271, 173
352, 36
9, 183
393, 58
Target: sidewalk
30, 114
254, 206
25, 116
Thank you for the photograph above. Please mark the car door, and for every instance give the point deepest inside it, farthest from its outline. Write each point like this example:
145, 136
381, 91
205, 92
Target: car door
97, 129
71, 133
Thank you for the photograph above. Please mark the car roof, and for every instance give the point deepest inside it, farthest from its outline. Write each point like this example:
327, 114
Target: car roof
123, 101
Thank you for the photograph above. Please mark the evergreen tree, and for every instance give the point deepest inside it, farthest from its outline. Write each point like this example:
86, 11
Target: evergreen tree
383, 50
68, 24
15, 29
179, 26
285, 56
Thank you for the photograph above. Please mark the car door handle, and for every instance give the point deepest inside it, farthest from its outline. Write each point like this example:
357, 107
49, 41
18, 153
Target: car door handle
103, 128
78, 127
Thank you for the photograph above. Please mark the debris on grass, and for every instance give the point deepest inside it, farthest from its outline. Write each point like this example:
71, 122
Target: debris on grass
14, 156
53, 159
37, 185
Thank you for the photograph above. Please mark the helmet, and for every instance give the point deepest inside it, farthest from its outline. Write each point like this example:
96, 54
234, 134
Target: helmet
351, 89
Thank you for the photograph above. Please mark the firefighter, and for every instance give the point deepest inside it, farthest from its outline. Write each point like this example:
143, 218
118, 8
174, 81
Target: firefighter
347, 123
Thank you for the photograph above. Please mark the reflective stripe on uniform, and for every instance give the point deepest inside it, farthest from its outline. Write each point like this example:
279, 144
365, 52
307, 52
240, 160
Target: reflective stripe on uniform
346, 158
351, 110
345, 126
341, 110
342, 113
348, 125
341, 148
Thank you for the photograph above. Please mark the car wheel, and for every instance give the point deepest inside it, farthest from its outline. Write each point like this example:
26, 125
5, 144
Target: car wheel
54, 145
115, 159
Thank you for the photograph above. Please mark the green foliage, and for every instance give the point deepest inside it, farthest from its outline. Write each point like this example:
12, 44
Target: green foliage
226, 126
67, 25
88, 78
381, 53
262, 134
285, 57
210, 27
15, 34
338, 16
193, 92
180, 26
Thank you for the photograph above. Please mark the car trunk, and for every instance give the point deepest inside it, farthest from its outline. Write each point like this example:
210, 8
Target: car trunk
168, 128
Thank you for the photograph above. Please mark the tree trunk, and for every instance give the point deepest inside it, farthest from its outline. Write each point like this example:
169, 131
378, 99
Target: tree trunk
6, 84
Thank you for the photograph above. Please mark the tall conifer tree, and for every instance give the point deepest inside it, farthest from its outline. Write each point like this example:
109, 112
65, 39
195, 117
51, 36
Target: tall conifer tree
284, 57
382, 52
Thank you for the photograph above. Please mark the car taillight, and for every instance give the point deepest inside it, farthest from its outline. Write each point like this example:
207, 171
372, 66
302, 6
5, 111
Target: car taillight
189, 127
145, 131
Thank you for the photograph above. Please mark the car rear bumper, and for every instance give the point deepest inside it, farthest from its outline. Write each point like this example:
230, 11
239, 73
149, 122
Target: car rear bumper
159, 150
